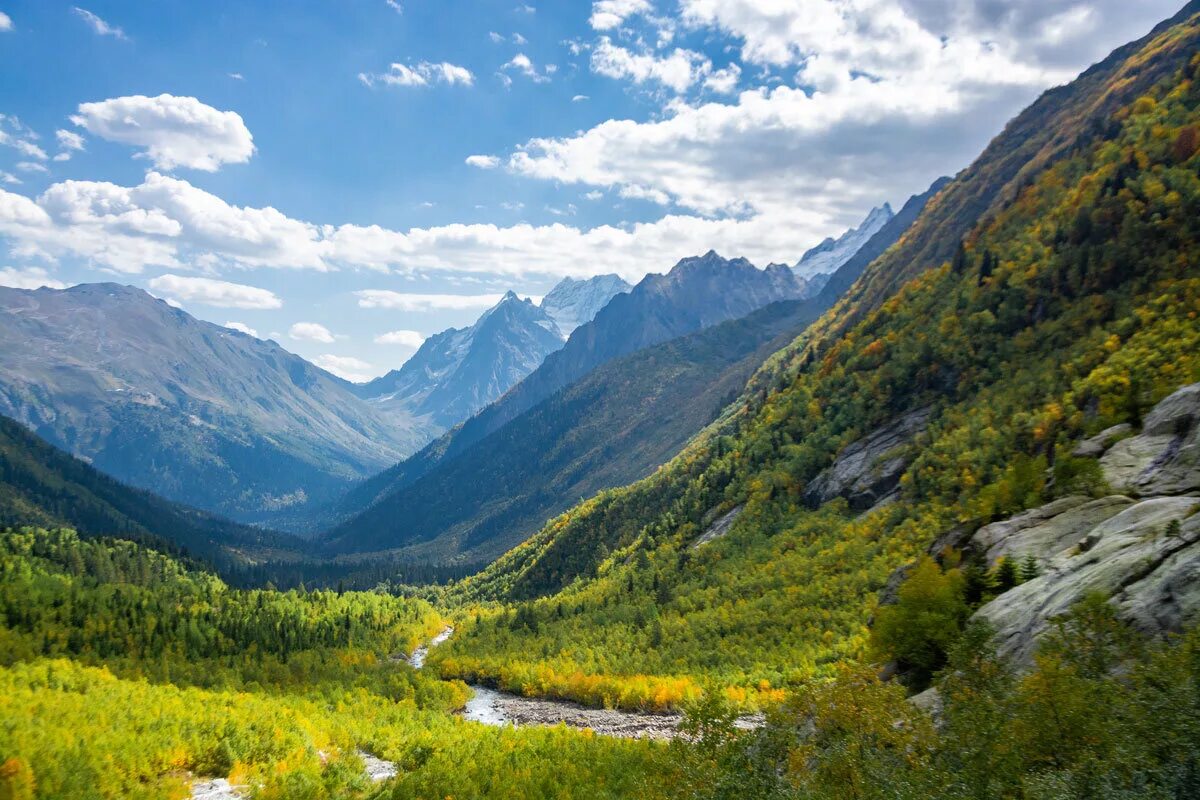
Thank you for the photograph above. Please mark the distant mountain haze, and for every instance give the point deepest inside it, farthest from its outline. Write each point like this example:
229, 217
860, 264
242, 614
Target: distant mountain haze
459, 371
192, 411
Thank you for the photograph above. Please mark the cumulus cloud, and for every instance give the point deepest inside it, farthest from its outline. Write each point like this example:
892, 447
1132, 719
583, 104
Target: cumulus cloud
609, 14
404, 338
677, 71
6, 23
422, 74
68, 142
99, 26
311, 332
174, 131
28, 278
483, 162
31, 166
347, 368
242, 327
9, 178
210, 292
521, 64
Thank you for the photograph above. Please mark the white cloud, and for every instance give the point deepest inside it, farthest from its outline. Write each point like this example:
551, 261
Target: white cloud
395, 6
31, 166
162, 222
99, 26
311, 332
175, 131
422, 74
724, 81
237, 76
609, 14
579, 98
523, 65
403, 338
483, 162
519, 40
495, 37
68, 143
28, 278
9, 178
512, 205
242, 328
210, 292
677, 71
69, 140
6, 23
15, 135
347, 368
402, 301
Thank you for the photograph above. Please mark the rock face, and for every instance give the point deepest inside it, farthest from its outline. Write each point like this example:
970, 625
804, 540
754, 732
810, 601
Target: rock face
1165, 457
1143, 551
868, 471
1153, 577
719, 527
830, 254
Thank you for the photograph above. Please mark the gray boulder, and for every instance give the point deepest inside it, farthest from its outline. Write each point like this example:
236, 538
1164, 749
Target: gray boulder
1099, 444
1165, 457
867, 471
1153, 578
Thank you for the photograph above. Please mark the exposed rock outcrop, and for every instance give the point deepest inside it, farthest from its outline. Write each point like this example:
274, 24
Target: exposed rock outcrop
719, 527
867, 472
1165, 457
1128, 555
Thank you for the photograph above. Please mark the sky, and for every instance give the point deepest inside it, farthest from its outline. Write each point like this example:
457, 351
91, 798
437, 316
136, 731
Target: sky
348, 177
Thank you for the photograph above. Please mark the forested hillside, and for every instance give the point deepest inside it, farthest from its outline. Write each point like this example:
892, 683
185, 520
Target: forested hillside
145, 675
41, 485
1070, 309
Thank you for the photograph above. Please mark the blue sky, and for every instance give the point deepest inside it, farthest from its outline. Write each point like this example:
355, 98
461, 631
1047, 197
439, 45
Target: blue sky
361, 167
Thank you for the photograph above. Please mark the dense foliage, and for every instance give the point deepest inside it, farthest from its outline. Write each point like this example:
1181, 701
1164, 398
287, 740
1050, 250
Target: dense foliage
124, 673
1103, 715
1072, 309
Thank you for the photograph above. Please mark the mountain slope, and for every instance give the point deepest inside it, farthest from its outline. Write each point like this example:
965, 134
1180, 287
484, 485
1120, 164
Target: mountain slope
190, 410
825, 258
43, 486
459, 371
697, 293
755, 556
611, 427
572, 303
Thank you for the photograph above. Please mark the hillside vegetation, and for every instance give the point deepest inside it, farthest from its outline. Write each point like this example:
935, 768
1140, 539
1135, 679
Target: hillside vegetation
1071, 308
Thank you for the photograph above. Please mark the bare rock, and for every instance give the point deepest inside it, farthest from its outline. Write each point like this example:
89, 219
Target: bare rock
867, 471
1099, 444
1164, 459
1153, 578
1047, 530
719, 527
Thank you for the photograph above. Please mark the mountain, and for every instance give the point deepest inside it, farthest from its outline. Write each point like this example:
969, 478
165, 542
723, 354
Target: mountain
573, 302
825, 258
611, 427
697, 293
189, 410
41, 485
459, 371
1036, 369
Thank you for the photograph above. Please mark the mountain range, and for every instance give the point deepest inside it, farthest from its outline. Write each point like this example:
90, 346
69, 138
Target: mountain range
613, 426
459, 371
826, 257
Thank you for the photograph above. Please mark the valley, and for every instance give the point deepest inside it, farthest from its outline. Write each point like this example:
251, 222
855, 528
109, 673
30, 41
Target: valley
910, 514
